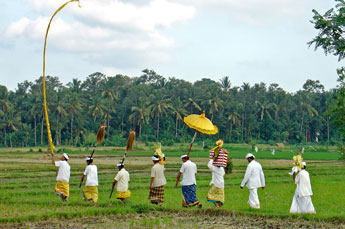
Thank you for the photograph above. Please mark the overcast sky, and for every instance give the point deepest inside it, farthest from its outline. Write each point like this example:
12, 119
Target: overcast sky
249, 40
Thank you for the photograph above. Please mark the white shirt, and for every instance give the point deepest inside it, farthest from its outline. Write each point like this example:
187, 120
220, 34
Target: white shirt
91, 175
217, 175
188, 169
303, 184
254, 176
64, 172
157, 172
122, 179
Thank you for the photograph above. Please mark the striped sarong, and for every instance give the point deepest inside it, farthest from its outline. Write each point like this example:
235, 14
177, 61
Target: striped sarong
157, 194
62, 188
90, 193
189, 196
215, 195
123, 195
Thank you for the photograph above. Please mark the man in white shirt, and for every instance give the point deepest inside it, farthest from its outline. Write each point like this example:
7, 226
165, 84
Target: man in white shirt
90, 191
188, 169
301, 202
62, 177
255, 179
216, 194
122, 179
158, 181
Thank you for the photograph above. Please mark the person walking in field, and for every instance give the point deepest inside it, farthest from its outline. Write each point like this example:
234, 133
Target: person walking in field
157, 183
254, 177
301, 202
216, 194
188, 169
90, 191
122, 179
62, 177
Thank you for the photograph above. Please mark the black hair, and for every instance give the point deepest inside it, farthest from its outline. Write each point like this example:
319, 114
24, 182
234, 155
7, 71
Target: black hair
251, 157
89, 161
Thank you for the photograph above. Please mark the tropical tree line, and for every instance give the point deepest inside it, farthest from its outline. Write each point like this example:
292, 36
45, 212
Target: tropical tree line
154, 106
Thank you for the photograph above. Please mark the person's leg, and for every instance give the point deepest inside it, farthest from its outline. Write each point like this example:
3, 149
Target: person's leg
254, 198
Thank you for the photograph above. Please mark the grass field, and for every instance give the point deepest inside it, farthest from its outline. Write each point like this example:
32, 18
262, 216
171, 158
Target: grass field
27, 199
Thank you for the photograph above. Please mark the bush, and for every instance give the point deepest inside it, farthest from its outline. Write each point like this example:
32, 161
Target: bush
168, 142
115, 140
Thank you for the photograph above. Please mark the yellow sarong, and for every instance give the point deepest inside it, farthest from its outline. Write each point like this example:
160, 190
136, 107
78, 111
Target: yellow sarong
62, 187
90, 193
123, 195
215, 194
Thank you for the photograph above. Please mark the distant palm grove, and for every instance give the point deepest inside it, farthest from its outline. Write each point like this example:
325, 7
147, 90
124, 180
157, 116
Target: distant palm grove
154, 107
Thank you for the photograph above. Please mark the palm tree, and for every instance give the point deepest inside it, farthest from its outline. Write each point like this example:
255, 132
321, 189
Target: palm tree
140, 115
178, 111
158, 107
192, 103
11, 122
225, 83
310, 110
73, 109
263, 109
234, 119
109, 98
60, 113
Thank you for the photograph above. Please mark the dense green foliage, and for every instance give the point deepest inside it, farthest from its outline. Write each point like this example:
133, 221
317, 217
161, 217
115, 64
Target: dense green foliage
155, 106
331, 27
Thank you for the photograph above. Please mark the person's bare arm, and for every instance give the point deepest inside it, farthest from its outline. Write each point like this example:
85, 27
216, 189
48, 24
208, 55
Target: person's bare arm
81, 180
114, 183
178, 178
152, 179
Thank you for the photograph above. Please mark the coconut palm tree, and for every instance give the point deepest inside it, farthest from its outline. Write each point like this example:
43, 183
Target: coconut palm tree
178, 111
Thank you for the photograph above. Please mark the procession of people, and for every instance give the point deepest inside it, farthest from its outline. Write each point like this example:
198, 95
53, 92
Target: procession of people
253, 178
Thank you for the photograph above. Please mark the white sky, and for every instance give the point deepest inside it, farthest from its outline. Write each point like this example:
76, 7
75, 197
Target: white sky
249, 40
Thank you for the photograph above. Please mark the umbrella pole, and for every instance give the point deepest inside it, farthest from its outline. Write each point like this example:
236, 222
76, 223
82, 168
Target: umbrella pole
191, 144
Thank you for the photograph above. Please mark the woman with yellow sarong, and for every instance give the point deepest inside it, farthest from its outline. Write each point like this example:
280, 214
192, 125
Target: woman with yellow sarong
62, 177
216, 194
90, 191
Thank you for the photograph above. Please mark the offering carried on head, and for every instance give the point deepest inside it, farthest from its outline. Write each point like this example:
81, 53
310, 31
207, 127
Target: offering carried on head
219, 155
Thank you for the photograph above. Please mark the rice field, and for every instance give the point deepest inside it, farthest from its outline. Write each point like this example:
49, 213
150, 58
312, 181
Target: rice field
27, 180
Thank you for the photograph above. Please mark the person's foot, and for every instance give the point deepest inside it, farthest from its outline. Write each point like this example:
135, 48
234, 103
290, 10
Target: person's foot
199, 205
64, 198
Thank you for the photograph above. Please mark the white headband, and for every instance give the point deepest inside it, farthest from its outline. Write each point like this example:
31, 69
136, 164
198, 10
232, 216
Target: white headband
250, 155
65, 155
184, 156
155, 158
119, 164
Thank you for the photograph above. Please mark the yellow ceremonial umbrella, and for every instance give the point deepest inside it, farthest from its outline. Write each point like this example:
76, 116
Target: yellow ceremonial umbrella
200, 124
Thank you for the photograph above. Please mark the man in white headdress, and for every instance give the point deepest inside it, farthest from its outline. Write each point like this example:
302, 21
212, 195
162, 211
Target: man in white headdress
90, 191
255, 179
301, 202
122, 180
62, 176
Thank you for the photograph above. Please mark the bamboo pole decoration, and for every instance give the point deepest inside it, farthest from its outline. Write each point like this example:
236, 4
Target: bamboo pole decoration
52, 147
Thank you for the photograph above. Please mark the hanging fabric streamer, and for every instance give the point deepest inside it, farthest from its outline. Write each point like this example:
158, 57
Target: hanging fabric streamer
52, 147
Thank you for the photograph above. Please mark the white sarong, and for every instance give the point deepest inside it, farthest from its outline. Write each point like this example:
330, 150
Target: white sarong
302, 204
254, 198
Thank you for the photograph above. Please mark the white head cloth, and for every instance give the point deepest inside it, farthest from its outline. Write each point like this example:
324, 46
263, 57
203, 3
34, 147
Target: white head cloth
250, 155
184, 155
155, 158
304, 163
119, 164
65, 155
88, 159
